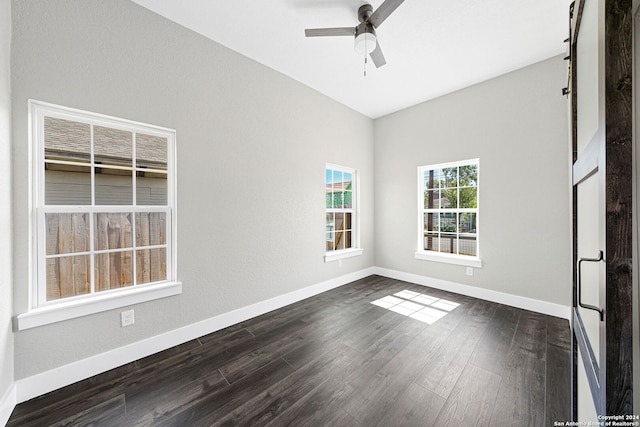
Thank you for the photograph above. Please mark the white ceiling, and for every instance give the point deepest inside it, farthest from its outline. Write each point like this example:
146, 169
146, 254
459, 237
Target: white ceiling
432, 47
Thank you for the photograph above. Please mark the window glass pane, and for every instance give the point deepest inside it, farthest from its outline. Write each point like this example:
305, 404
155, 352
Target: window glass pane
68, 276
328, 178
112, 146
151, 265
330, 230
337, 180
339, 222
113, 187
113, 270
67, 140
347, 221
450, 177
151, 189
431, 222
151, 229
448, 243
151, 151
430, 242
330, 240
113, 231
348, 199
329, 188
468, 245
347, 181
469, 197
67, 184
338, 199
467, 223
432, 199
432, 178
449, 198
347, 239
469, 175
341, 232
67, 233
448, 222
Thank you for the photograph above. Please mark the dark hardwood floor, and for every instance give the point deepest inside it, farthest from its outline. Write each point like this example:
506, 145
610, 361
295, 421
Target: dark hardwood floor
338, 360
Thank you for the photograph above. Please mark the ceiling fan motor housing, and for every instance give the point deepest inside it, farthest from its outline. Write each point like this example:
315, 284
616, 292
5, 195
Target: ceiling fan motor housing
364, 12
365, 41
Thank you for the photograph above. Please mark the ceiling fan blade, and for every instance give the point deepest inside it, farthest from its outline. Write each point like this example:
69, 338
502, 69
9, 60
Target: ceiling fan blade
377, 57
322, 32
384, 11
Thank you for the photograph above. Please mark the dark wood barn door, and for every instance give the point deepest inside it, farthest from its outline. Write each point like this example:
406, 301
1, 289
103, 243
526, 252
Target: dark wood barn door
600, 95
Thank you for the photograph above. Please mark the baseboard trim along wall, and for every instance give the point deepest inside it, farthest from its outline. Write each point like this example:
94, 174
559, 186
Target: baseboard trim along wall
525, 303
39, 384
7, 404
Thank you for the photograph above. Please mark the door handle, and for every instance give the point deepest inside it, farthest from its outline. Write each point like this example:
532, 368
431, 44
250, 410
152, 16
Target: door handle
587, 306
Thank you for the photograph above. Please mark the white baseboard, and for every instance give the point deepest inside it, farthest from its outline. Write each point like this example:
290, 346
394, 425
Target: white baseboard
36, 385
525, 303
39, 384
7, 404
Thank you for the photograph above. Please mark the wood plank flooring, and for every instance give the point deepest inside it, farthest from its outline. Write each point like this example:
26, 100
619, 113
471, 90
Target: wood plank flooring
337, 359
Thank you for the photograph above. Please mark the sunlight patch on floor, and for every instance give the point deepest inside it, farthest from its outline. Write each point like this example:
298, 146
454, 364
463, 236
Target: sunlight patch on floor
418, 306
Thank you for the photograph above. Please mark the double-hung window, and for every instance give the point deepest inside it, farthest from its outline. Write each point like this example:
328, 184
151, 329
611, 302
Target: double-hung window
104, 203
448, 213
341, 200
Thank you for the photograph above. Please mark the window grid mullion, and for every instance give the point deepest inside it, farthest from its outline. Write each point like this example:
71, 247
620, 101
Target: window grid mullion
134, 194
41, 291
92, 257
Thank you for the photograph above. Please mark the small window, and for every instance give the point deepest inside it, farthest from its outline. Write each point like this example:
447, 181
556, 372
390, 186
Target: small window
448, 212
105, 206
341, 226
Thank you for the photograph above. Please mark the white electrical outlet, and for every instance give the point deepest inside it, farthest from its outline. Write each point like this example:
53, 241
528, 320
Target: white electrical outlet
127, 318
469, 271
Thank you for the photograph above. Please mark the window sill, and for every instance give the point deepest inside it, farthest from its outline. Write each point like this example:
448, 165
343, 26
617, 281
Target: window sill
450, 259
345, 253
102, 302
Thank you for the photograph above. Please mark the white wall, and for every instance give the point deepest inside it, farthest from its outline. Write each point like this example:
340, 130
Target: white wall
516, 125
252, 146
6, 311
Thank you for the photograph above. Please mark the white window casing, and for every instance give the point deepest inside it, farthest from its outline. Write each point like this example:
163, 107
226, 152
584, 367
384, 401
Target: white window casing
449, 213
342, 213
103, 213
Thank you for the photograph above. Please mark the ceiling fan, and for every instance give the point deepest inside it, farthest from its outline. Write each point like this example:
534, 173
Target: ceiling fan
366, 42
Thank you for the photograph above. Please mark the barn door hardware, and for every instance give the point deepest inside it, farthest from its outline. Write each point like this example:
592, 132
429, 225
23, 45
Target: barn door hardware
587, 306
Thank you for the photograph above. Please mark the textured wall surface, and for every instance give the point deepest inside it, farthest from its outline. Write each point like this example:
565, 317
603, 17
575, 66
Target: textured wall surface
6, 280
251, 147
516, 125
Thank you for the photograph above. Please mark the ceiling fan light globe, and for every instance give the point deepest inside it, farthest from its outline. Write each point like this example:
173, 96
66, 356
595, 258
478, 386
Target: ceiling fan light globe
365, 43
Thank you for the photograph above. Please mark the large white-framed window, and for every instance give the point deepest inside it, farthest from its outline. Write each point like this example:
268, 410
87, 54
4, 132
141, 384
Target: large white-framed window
104, 213
342, 216
448, 213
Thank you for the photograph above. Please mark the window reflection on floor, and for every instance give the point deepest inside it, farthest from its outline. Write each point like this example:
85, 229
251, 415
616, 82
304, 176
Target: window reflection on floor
418, 306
